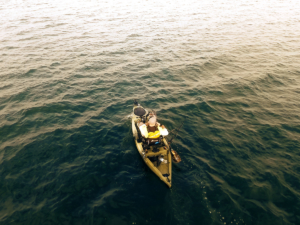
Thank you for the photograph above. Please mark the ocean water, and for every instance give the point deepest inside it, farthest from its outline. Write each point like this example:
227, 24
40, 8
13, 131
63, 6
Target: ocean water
70, 70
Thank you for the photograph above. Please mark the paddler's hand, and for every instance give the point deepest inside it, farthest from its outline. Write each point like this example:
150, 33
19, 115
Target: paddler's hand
163, 126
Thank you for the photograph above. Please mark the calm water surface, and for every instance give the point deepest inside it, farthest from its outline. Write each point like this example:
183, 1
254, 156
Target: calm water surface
69, 71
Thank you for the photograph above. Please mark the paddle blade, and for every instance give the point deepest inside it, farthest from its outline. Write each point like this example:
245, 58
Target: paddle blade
175, 157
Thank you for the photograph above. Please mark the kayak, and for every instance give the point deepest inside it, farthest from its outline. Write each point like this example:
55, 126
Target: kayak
156, 155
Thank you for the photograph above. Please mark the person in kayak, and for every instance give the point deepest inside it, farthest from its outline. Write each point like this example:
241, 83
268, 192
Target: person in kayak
152, 129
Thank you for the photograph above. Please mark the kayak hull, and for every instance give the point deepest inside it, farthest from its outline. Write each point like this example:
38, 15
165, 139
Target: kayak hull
157, 158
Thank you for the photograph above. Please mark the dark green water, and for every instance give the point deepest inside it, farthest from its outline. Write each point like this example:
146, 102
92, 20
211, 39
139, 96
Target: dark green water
70, 71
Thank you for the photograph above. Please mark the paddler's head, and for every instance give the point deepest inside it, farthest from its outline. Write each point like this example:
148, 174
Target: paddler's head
152, 121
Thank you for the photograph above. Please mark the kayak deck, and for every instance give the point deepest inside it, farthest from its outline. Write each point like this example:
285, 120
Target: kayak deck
161, 154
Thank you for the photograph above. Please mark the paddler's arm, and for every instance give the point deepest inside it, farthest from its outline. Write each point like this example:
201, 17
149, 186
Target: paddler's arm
163, 130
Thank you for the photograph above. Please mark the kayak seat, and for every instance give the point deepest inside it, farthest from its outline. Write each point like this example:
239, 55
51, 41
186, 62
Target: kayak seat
152, 141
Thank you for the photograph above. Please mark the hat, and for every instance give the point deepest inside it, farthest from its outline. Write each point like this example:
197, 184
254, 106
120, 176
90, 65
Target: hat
152, 121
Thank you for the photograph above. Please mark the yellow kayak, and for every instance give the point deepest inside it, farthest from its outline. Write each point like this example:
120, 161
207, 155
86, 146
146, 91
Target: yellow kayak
157, 156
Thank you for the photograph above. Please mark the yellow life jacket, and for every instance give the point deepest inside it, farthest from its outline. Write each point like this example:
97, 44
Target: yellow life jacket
155, 134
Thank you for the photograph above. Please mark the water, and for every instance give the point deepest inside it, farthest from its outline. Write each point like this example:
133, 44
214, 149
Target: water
70, 71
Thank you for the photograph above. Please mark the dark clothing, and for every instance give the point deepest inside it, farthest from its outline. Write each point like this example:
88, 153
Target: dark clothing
152, 129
